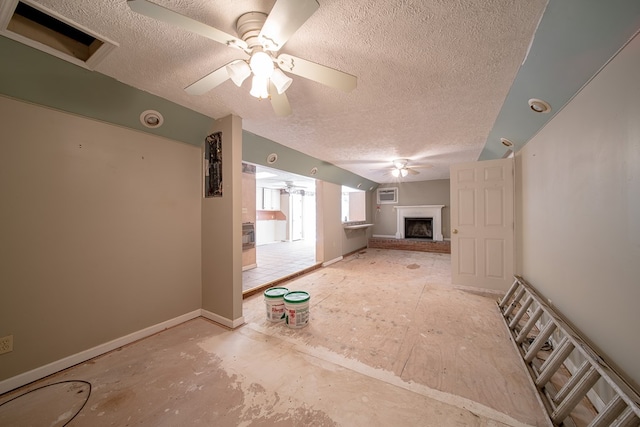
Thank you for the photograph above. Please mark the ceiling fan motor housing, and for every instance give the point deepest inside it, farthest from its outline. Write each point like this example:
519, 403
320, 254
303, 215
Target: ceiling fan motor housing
248, 27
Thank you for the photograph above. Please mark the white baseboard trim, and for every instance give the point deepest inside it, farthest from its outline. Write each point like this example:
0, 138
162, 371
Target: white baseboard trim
222, 320
69, 361
333, 261
384, 236
479, 291
249, 267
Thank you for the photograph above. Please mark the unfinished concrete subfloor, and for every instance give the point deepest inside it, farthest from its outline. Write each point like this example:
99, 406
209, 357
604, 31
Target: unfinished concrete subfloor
390, 342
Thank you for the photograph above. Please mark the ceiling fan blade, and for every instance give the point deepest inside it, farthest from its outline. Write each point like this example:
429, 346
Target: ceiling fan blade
209, 81
279, 102
412, 171
284, 19
163, 14
316, 72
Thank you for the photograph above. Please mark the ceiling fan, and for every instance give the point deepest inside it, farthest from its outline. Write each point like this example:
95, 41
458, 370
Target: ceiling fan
400, 168
261, 36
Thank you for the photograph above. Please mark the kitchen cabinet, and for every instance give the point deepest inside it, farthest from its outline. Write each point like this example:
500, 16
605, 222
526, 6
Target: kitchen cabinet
268, 199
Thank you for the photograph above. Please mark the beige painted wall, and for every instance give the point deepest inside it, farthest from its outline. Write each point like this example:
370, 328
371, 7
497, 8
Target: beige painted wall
578, 211
222, 230
435, 192
329, 224
100, 231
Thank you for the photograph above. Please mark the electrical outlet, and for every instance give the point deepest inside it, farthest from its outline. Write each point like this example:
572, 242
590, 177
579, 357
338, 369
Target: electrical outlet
6, 344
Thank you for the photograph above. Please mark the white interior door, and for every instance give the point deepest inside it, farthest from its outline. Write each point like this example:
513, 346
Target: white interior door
482, 228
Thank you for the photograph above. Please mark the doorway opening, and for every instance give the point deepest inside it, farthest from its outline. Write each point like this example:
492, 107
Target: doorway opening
285, 228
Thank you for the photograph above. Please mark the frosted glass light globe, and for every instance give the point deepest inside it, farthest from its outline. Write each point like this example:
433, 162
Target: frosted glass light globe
261, 64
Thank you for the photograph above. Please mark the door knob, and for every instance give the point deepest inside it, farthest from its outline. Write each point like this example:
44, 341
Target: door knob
454, 231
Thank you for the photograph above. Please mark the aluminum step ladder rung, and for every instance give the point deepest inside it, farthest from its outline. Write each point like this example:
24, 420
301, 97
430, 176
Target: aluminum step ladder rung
580, 390
537, 343
529, 325
514, 303
609, 413
564, 391
627, 419
509, 294
553, 363
523, 309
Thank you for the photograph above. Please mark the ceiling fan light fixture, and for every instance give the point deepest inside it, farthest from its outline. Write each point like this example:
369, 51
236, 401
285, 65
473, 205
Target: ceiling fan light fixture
261, 64
403, 172
259, 87
281, 81
238, 72
395, 173
400, 163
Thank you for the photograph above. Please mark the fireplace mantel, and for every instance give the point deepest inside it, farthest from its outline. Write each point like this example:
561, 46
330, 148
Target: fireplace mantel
423, 211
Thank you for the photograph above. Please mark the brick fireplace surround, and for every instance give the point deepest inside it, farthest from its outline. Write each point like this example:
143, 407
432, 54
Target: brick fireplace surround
418, 245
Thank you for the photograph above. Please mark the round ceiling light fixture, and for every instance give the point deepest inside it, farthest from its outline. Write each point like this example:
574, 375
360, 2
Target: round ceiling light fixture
151, 119
506, 142
539, 106
272, 158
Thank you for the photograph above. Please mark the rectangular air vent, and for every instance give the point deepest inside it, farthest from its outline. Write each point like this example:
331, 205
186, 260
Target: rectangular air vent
45, 30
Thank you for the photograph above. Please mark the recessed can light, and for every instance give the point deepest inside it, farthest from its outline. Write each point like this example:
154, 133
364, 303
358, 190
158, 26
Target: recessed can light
539, 106
151, 119
272, 158
506, 142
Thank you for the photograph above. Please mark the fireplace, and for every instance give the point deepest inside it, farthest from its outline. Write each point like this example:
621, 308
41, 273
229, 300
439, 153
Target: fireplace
422, 211
418, 228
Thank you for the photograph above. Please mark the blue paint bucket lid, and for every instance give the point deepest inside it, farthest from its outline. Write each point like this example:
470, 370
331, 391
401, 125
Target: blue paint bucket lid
275, 292
297, 297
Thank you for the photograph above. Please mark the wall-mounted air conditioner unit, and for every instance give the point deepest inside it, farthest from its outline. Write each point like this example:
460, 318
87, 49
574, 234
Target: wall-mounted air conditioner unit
387, 195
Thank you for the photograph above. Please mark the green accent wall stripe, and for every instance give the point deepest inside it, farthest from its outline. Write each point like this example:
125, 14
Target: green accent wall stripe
33, 76
43, 79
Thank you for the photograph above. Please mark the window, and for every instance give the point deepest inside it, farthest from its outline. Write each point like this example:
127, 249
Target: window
354, 205
387, 195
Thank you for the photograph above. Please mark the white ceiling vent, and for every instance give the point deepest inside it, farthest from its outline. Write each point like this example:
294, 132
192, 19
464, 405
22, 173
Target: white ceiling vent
43, 29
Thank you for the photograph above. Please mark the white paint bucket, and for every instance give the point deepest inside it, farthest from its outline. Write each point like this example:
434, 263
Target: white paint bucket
274, 302
296, 308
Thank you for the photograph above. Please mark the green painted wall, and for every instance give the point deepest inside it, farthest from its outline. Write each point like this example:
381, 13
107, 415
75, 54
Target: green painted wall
37, 77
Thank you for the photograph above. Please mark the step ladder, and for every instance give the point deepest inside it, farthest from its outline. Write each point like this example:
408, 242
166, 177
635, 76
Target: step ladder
532, 323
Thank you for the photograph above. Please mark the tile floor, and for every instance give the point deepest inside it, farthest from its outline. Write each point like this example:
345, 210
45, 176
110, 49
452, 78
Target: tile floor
277, 260
390, 342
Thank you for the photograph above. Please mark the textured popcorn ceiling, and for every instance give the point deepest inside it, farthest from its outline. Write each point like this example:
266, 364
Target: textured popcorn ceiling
432, 74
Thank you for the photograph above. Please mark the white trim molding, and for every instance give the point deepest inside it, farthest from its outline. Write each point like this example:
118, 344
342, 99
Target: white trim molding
332, 261
423, 211
223, 320
249, 266
69, 361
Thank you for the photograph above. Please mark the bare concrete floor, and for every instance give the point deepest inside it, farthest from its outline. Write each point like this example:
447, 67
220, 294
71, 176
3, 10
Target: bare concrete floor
390, 342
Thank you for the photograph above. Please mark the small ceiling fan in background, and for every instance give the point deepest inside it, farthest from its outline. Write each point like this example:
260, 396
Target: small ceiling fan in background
400, 168
261, 36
